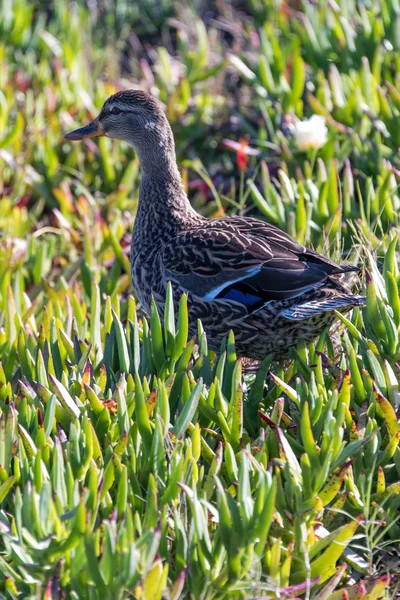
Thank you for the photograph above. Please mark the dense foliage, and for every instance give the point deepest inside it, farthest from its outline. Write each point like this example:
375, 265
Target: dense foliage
134, 463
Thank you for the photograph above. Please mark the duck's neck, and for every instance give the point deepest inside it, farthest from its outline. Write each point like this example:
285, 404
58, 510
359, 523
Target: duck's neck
164, 208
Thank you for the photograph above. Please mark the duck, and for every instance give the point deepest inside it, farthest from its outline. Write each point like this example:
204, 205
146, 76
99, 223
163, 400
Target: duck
240, 273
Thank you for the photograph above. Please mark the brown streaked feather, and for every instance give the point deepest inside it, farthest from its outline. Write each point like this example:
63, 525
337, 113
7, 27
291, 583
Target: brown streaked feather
248, 254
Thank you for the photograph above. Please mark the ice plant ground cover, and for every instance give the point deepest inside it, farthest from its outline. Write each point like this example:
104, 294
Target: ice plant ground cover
134, 463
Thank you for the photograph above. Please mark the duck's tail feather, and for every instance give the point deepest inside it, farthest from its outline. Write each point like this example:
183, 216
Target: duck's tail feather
314, 307
350, 269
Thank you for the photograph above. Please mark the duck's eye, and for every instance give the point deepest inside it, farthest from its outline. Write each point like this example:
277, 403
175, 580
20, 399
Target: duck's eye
115, 110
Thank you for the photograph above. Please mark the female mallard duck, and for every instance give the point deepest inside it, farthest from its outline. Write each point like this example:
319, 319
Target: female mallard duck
240, 273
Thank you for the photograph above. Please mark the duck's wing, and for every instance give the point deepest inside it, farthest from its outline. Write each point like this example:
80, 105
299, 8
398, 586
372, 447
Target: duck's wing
244, 260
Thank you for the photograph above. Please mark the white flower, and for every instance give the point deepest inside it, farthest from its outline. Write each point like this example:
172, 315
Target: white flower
310, 133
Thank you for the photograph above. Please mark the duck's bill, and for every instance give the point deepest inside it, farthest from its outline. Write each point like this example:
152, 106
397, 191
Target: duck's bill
90, 130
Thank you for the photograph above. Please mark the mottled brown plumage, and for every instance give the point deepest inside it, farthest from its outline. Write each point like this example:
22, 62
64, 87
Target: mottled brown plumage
240, 273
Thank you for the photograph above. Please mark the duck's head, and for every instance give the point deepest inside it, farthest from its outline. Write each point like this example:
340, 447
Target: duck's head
137, 118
